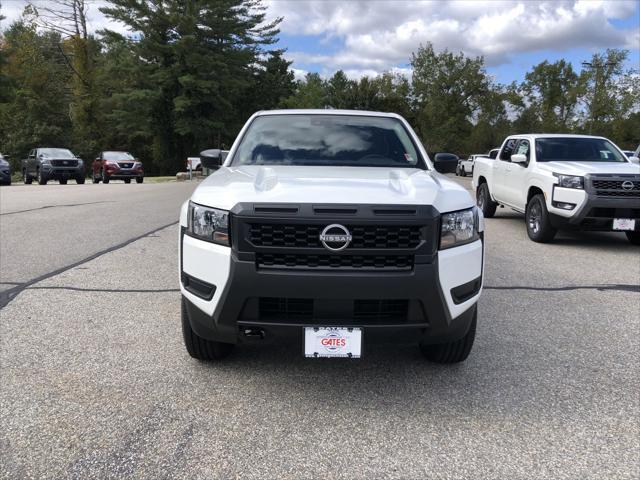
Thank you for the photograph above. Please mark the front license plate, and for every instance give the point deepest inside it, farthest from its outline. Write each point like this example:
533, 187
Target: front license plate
332, 342
624, 224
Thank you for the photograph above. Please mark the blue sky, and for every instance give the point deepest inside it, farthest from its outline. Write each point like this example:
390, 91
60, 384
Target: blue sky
368, 37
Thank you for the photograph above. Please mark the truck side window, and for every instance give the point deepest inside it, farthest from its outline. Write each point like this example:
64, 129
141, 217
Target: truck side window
507, 150
523, 148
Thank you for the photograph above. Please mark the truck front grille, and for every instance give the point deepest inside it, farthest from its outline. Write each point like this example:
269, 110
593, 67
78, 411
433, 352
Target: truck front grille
125, 165
616, 187
64, 163
308, 236
332, 262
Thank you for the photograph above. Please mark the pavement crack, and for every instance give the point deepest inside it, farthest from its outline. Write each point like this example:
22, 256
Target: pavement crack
602, 288
10, 294
109, 290
56, 206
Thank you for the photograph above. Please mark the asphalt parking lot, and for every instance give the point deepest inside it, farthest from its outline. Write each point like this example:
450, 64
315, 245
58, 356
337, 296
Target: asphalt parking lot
95, 381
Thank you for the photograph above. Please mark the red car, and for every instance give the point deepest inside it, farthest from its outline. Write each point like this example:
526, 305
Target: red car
117, 166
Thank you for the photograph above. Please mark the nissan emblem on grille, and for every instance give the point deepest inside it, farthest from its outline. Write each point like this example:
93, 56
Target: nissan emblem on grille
627, 185
335, 237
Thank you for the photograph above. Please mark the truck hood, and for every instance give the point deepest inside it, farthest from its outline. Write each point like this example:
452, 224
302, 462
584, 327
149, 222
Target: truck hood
338, 185
584, 168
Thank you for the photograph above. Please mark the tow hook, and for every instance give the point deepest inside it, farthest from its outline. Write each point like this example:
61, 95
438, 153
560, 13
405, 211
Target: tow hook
253, 332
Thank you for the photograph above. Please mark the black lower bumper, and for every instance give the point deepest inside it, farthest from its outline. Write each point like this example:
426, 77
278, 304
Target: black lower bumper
124, 174
426, 318
597, 214
63, 173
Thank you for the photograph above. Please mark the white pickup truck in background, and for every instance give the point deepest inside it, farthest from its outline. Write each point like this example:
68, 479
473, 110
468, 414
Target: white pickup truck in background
562, 182
465, 167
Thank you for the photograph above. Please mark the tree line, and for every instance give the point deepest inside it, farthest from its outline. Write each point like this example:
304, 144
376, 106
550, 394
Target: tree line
190, 73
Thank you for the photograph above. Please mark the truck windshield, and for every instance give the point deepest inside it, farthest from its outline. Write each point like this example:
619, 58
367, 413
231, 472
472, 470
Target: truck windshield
117, 156
577, 149
327, 140
56, 153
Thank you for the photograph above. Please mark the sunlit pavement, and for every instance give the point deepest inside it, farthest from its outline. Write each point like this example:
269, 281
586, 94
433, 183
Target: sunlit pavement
95, 380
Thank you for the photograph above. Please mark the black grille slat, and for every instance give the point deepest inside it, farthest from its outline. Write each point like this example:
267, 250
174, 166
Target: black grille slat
285, 308
354, 312
348, 262
380, 309
308, 236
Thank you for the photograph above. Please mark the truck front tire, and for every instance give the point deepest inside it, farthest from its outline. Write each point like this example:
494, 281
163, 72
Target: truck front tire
198, 347
539, 226
42, 178
28, 179
452, 352
484, 202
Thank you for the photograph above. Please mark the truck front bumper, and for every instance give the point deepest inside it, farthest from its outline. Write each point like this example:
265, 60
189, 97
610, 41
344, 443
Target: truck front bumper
64, 173
594, 213
433, 303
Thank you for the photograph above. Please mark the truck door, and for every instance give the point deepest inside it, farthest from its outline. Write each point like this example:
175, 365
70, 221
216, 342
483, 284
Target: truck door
500, 170
516, 181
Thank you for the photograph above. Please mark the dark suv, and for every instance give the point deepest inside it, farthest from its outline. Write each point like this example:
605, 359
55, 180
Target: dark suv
46, 164
117, 166
5, 171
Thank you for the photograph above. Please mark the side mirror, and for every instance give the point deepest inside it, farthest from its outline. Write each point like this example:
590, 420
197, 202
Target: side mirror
493, 155
446, 162
211, 158
632, 159
518, 158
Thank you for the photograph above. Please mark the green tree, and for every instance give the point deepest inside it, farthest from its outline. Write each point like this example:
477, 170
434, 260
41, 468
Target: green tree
448, 89
605, 93
197, 59
550, 92
79, 50
339, 91
35, 109
310, 93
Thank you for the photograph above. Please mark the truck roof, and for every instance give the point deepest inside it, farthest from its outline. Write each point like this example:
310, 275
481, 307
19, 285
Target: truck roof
553, 135
327, 111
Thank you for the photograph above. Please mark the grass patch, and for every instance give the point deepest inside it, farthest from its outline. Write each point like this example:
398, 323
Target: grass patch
159, 179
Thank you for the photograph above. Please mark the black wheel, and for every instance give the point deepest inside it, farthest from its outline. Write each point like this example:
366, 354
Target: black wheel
28, 180
633, 237
139, 179
463, 172
80, 180
127, 180
452, 352
63, 181
94, 179
199, 347
105, 177
484, 202
539, 225
42, 179
458, 171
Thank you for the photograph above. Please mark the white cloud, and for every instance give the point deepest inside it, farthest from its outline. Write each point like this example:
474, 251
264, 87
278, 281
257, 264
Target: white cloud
380, 35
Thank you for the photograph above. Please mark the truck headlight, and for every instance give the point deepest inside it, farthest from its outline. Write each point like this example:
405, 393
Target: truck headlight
458, 228
209, 224
570, 181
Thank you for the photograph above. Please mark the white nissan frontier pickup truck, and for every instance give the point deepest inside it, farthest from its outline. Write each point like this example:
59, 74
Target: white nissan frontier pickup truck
562, 182
333, 228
